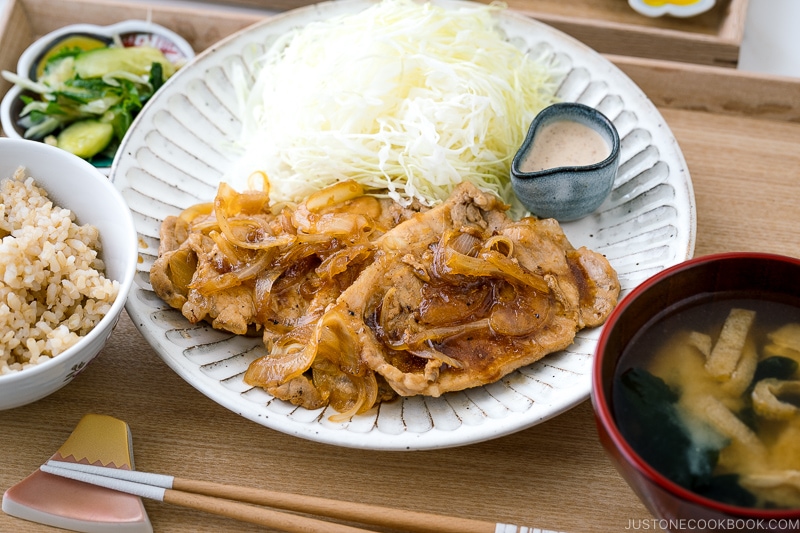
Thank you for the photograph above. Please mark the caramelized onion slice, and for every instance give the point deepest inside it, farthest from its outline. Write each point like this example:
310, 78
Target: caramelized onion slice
259, 181
241, 218
335, 341
209, 284
368, 206
510, 270
250, 202
205, 225
501, 244
419, 340
262, 290
352, 227
348, 395
335, 194
289, 358
182, 266
192, 213
254, 266
428, 352
462, 243
341, 260
232, 254
453, 257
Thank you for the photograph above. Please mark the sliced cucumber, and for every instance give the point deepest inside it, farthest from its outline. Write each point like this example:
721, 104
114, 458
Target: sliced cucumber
85, 138
136, 60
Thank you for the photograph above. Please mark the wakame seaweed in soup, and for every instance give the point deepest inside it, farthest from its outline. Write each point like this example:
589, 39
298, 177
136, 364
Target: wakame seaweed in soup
709, 395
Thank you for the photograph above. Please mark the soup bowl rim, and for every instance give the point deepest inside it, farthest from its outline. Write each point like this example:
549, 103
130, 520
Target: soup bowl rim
601, 404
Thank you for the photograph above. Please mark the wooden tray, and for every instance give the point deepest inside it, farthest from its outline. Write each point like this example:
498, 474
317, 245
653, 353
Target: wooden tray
24, 21
739, 133
608, 26
612, 27
701, 89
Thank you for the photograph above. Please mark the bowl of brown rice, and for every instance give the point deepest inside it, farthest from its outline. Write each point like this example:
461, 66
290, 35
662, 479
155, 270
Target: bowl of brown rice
68, 255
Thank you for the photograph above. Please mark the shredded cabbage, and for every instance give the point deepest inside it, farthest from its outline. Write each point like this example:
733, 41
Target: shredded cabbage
403, 96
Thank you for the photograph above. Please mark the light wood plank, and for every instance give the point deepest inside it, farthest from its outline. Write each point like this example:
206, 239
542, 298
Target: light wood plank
714, 90
739, 134
612, 27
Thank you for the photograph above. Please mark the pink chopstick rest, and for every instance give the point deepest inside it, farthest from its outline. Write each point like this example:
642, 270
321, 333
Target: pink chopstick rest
68, 504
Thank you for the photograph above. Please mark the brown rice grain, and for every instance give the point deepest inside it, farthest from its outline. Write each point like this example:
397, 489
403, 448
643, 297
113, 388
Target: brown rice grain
53, 289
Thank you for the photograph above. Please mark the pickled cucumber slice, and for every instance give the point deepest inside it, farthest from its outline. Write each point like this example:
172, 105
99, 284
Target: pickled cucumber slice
85, 138
136, 60
79, 41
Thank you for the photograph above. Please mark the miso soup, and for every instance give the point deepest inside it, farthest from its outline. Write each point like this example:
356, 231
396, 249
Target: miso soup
709, 395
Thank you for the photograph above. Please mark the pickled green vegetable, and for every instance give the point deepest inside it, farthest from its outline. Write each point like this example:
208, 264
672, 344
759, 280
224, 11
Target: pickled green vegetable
136, 60
86, 138
106, 87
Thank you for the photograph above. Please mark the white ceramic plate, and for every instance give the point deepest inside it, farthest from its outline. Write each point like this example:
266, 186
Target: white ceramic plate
172, 158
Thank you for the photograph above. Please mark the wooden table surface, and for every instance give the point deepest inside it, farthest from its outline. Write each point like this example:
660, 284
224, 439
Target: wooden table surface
740, 135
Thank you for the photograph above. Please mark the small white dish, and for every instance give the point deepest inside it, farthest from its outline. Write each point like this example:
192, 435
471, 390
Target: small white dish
130, 32
674, 8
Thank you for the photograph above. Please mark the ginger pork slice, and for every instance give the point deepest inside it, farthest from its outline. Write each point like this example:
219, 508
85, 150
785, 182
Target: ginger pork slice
461, 295
184, 254
270, 288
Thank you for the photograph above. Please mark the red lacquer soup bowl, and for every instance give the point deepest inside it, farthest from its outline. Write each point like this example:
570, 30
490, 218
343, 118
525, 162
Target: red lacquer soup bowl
685, 493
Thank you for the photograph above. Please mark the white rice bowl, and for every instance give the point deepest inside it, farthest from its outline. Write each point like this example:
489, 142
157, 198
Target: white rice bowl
67, 262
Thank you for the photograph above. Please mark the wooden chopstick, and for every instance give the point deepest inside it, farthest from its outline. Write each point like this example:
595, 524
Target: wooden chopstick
288, 522
232, 500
